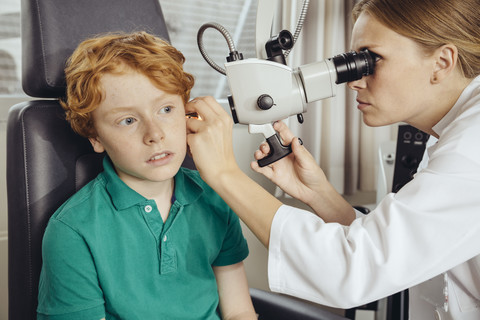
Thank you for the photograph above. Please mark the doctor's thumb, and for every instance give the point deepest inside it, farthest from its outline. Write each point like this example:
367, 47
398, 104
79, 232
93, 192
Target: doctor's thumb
299, 150
297, 146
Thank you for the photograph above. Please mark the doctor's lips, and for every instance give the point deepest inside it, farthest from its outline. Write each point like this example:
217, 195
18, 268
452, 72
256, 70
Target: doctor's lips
361, 101
193, 115
362, 104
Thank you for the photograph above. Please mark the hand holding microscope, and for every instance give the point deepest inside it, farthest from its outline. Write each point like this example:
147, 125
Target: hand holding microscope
267, 90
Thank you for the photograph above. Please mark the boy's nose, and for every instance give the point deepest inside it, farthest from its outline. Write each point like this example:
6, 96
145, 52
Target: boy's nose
153, 133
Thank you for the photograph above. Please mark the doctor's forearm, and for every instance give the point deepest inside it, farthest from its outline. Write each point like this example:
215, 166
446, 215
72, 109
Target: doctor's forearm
331, 206
255, 206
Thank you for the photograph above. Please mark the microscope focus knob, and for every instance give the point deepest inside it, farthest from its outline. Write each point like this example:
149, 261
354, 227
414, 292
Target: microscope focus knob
265, 102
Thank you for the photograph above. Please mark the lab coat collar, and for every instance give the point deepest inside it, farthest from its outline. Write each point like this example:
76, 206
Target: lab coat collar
462, 103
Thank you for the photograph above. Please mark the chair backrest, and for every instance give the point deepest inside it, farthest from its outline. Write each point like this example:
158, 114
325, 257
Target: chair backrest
46, 161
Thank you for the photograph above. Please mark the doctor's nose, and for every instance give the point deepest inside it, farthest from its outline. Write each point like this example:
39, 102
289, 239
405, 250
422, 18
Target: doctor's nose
153, 133
357, 84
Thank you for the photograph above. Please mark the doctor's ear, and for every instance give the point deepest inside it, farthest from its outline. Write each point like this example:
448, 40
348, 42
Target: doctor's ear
446, 58
96, 144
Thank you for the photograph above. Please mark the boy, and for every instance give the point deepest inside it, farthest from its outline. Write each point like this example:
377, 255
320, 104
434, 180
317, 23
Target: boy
146, 239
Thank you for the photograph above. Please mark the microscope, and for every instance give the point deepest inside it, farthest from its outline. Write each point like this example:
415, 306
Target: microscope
267, 90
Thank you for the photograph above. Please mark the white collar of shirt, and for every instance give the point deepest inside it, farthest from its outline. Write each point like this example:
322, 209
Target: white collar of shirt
462, 104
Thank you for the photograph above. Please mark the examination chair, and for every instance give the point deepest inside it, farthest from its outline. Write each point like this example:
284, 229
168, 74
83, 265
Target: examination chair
47, 162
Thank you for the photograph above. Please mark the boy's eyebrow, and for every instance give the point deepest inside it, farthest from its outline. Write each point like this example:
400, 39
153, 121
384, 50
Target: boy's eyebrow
120, 109
164, 99
117, 110
126, 108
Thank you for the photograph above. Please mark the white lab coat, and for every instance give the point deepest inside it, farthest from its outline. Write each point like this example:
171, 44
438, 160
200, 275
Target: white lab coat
428, 228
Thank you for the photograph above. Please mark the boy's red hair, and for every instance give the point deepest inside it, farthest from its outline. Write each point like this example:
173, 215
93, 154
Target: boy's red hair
111, 53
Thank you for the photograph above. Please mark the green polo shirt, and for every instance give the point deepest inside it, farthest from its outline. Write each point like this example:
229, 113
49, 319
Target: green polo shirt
107, 253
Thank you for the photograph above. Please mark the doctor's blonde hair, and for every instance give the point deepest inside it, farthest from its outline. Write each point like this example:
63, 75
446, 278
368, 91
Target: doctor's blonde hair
433, 23
111, 53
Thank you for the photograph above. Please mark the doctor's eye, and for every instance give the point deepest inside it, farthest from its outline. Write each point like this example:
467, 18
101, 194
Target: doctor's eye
127, 121
375, 56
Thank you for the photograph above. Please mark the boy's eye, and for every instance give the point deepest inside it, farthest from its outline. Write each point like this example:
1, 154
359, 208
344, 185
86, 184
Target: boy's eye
167, 109
127, 121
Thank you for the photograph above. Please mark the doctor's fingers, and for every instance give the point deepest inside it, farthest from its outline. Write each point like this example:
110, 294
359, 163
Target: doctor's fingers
218, 128
194, 125
267, 171
207, 107
285, 133
262, 151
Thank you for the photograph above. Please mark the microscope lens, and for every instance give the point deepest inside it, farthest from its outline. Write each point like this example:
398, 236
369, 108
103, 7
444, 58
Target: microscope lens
351, 66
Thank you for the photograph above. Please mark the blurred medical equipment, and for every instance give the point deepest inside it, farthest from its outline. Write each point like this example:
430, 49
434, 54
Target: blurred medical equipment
265, 90
398, 162
411, 144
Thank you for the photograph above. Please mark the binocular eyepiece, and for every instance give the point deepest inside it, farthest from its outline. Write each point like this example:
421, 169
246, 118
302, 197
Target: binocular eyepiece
351, 66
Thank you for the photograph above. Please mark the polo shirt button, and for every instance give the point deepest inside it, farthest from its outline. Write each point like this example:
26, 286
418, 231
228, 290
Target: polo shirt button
148, 208
165, 239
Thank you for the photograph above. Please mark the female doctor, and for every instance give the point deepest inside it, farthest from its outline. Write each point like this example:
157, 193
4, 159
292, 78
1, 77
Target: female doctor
426, 237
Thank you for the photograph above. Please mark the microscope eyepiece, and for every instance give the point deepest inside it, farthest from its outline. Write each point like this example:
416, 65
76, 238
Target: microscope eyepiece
275, 46
351, 66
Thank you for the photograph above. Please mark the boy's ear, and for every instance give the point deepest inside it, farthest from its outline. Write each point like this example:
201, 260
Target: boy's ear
445, 62
96, 144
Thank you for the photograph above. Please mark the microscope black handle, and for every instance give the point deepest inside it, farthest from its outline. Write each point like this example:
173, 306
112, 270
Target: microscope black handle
277, 151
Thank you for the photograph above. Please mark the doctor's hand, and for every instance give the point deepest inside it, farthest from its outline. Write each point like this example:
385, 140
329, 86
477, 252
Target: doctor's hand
210, 143
210, 139
299, 175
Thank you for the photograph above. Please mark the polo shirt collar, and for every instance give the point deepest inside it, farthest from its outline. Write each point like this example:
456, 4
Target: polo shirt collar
121, 194
187, 190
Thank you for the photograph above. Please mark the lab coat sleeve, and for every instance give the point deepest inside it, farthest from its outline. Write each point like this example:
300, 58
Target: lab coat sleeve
431, 225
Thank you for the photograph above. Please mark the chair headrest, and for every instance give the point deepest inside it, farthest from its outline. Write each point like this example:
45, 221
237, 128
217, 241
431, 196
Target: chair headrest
51, 30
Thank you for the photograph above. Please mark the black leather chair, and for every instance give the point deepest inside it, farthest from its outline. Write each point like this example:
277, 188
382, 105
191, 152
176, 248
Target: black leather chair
274, 306
46, 161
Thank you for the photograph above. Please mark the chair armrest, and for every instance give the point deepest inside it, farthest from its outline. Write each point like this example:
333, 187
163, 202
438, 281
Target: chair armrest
274, 306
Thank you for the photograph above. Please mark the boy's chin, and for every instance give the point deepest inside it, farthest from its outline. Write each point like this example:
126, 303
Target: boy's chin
170, 171
164, 173
162, 177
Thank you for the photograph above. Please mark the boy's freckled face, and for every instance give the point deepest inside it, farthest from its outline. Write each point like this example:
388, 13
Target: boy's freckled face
142, 128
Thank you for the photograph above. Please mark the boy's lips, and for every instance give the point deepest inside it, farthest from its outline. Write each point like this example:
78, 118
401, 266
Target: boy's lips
160, 158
